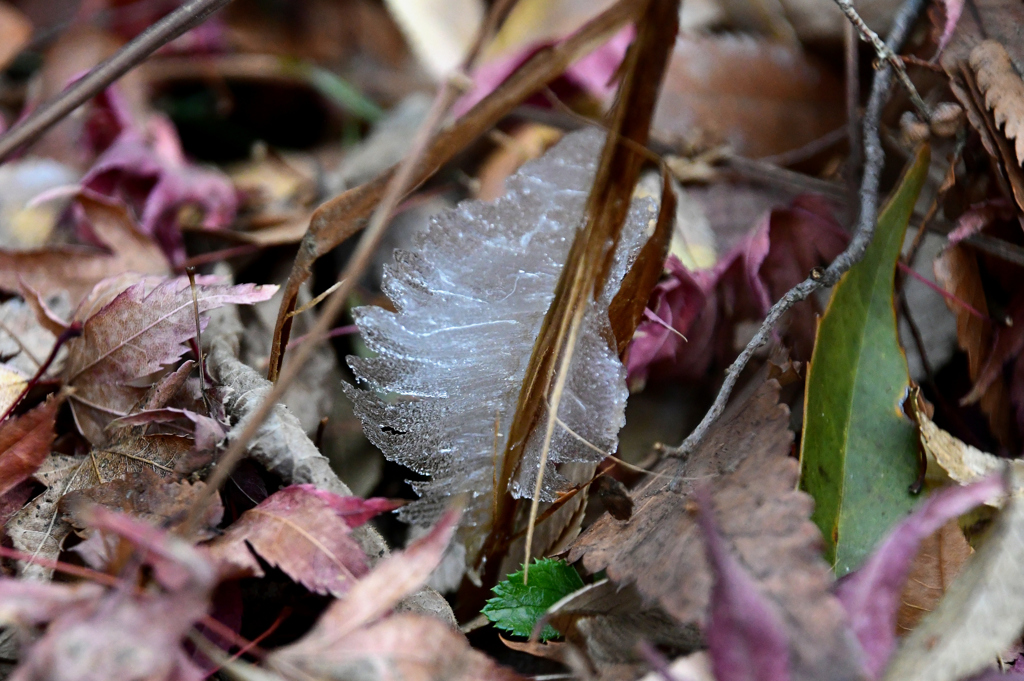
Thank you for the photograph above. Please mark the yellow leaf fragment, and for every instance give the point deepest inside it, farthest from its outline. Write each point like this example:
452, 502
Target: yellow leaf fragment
12, 383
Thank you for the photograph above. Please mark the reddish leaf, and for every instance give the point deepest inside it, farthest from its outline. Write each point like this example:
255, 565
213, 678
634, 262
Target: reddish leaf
300, 532
746, 638
25, 443
871, 595
136, 334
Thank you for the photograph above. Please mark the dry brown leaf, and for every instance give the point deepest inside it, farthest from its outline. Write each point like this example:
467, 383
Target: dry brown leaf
760, 97
936, 565
25, 442
745, 462
76, 269
38, 529
1003, 89
957, 271
15, 31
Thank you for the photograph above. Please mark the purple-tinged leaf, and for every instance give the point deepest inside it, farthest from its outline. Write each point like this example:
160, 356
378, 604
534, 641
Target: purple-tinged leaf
746, 638
953, 8
871, 595
355, 511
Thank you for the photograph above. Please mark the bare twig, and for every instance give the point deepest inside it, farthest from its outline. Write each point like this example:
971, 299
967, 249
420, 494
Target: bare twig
874, 158
446, 96
886, 53
128, 57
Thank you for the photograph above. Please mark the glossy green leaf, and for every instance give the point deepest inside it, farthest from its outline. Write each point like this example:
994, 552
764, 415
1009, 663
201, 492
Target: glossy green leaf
859, 452
517, 607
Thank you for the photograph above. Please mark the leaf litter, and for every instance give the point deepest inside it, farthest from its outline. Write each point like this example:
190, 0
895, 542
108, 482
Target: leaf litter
530, 354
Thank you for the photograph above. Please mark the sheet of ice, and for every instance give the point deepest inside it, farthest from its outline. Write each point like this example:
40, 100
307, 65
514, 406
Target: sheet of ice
470, 301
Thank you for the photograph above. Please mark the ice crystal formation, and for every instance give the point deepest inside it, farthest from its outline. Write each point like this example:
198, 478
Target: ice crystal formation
470, 298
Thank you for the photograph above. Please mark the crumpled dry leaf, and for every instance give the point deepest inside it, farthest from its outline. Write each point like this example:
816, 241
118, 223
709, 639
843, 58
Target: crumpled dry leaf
300, 530
76, 269
937, 564
351, 637
981, 615
25, 443
95, 633
137, 334
746, 463
1003, 89
26, 340
38, 529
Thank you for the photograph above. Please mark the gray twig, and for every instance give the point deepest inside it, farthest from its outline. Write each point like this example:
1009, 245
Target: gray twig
106, 72
874, 158
886, 53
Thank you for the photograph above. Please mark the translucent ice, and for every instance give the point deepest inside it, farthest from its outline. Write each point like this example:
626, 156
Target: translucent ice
471, 298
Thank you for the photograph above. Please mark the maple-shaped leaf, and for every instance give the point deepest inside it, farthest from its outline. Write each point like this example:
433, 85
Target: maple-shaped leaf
38, 528
518, 606
137, 334
75, 268
301, 531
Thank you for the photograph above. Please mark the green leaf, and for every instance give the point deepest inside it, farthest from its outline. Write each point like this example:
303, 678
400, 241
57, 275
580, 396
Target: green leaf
517, 607
859, 453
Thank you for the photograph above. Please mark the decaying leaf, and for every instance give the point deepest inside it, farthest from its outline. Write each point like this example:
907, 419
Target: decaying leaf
981, 615
1003, 89
458, 348
939, 561
356, 633
299, 531
38, 529
766, 522
96, 633
746, 637
25, 443
950, 458
132, 334
76, 269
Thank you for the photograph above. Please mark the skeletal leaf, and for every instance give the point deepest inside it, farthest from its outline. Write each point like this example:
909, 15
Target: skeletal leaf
133, 334
981, 615
471, 301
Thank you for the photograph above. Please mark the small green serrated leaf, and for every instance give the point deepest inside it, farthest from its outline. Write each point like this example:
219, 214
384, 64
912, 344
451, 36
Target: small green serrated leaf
859, 453
517, 607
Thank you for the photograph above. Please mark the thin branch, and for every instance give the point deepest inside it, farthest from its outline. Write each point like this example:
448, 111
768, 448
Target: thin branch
886, 53
106, 72
874, 158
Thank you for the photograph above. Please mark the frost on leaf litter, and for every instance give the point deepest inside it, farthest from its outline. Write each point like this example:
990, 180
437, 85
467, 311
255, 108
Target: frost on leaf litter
471, 298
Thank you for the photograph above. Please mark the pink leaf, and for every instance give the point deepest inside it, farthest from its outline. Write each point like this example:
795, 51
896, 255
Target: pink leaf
871, 595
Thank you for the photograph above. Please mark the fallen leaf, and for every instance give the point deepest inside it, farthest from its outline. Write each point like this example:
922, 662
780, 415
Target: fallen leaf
96, 633
76, 269
745, 461
299, 532
937, 564
858, 452
25, 443
1003, 90
38, 529
15, 32
981, 615
871, 595
746, 637
368, 599
137, 334
758, 96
